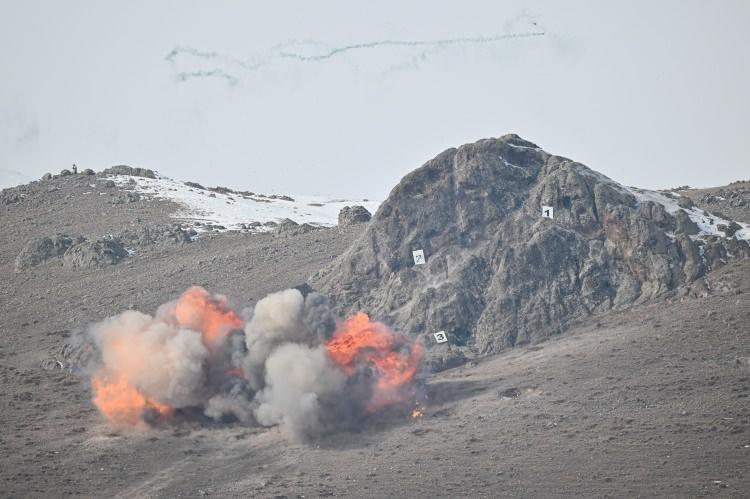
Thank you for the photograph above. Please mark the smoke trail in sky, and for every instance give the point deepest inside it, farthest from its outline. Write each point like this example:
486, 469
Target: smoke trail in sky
293, 52
406, 43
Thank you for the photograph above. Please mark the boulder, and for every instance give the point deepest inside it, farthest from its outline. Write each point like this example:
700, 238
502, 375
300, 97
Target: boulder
354, 215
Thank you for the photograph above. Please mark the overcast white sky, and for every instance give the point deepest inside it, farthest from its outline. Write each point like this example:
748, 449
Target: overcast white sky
255, 95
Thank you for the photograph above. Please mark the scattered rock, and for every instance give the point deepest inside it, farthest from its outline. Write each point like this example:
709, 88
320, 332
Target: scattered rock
354, 215
129, 170
65, 173
195, 185
89, 171
157, 235
109, 184
47, 176
221, 190
280, 197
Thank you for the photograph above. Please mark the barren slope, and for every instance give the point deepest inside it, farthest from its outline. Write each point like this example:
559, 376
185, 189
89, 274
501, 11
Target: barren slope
653, 401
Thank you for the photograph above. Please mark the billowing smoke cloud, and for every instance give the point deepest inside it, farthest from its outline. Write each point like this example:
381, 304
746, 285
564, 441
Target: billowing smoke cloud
299, 380
289, 364
158, 359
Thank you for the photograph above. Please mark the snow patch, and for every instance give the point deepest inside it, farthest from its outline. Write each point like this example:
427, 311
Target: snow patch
707, 223
234, 210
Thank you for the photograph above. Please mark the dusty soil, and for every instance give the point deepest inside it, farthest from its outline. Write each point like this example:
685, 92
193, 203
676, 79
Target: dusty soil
651, 402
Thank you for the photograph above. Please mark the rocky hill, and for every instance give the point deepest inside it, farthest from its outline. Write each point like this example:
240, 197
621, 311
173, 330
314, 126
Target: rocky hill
500, 273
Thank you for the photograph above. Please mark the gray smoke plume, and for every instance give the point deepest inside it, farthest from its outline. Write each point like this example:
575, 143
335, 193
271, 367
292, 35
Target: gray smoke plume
317, 316
277, 319
298, 379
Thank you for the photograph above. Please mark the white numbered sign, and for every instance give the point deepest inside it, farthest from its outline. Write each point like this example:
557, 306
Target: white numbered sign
441, 337
418, 257
548, 212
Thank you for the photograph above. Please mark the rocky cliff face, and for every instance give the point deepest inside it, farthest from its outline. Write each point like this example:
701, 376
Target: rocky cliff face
497, 272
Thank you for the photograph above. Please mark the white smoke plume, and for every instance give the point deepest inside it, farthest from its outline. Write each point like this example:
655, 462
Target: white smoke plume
276, 319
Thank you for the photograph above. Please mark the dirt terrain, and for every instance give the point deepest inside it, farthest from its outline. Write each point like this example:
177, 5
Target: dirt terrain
652, 401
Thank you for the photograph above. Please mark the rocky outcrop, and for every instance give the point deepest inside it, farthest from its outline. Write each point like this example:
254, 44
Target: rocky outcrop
129, 170
354, 215
38, 251
157, 235
93, 254
289, 227
76, 252
498, 273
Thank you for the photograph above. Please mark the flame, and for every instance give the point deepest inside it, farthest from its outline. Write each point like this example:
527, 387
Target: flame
417, 413
122, 404
394, 358
196, 309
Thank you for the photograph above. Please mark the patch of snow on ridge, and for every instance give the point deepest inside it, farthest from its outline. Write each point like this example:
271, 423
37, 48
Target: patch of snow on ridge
707, 223
233, 209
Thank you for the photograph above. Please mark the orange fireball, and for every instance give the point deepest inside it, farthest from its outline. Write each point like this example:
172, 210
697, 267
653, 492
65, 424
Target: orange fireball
198, 310
393, 356
120, 403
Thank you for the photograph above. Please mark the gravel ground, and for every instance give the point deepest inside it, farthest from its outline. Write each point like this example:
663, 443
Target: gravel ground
651, 402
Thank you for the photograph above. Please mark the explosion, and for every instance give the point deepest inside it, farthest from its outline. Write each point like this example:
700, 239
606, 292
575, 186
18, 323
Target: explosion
120, 403
392, 356
199, 311
290, 364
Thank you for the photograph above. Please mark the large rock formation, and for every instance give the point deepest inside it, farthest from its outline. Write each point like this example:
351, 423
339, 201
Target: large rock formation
38, 251
92, 254
497, 272
350, 215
